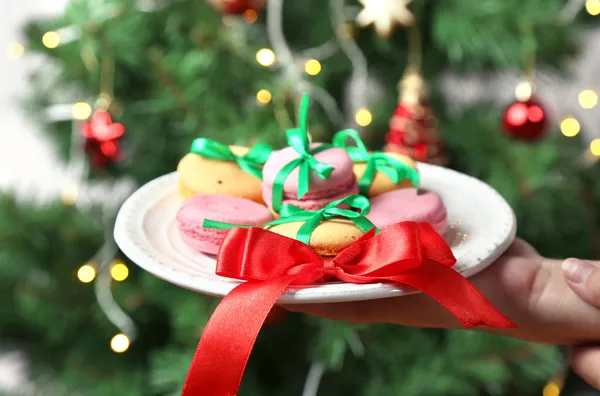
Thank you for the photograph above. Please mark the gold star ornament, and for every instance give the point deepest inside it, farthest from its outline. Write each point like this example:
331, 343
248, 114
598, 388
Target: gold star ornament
385, 15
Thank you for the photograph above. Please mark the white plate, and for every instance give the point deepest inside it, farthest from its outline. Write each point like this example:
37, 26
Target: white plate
482, 226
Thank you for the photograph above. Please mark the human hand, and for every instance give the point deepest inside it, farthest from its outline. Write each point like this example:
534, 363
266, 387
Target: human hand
528, 288
584, 279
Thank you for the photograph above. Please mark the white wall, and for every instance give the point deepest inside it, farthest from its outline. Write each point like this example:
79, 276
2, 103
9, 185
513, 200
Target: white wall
27, 162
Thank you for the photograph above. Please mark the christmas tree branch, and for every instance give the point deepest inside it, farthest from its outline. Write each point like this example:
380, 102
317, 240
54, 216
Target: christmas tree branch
290, 71
167, 79
588, 199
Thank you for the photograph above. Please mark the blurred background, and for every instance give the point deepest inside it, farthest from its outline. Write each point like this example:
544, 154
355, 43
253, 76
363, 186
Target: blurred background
504, 90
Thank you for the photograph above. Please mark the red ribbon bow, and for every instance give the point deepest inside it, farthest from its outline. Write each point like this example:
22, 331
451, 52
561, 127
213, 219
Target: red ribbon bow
408, 253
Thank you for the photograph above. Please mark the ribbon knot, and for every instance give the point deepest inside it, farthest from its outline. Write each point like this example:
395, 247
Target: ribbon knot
393, 168
329, 268
312, 219
297, 138
251, 163
410, 254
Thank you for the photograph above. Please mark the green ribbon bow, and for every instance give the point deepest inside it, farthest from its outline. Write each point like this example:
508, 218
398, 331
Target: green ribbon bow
312, 219
395, 169
251, 163
297, 138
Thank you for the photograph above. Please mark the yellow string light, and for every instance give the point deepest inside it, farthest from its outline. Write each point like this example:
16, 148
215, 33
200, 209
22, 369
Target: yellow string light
588, 99
570, 127
265, 57
119, 271
593, 7
363, 117
312, 67
87, 273
250, 16
15, 50
263, 97
595, 147
51, 40
81, 111
120, 343
551, 389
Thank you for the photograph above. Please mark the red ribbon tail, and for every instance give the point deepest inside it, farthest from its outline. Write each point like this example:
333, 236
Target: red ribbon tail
224, 349
456, 294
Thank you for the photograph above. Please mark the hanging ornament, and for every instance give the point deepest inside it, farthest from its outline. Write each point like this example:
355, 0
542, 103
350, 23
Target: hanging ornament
385, 15
102, 137
237, 7
413, 127
526, 119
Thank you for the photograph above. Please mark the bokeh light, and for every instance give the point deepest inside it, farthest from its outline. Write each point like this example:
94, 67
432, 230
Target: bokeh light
119, 271
51, 39
263, 97
265, 57
250, 16
551, 389
120, 343
15, 50
593, 7
312, 67
87, 273
363, 117
570, 127
588, 99
523, 91
595, 147
81, 111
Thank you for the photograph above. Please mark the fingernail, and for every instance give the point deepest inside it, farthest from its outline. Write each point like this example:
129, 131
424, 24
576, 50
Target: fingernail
577, 271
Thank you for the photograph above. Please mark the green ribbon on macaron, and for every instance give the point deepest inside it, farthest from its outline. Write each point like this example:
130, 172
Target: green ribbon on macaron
360, 207
251, 163
393, 168
297, 138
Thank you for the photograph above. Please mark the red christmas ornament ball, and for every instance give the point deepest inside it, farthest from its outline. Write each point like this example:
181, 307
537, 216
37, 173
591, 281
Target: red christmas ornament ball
236, 7
526, 120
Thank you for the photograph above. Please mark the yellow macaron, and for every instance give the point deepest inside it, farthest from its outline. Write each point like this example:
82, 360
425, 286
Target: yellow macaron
381, 182
328, 239
200, 175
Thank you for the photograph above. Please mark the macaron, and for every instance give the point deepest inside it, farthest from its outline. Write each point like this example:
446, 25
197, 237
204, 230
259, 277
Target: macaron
340, 183
328, 239
381, 182
223, 208
407, 204
200, 175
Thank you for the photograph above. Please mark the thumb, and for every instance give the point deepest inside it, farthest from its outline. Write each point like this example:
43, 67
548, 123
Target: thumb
585, 361
584, 279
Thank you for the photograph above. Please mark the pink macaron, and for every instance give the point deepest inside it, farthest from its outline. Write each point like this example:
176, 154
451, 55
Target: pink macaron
223, 208
340, 183
406, 204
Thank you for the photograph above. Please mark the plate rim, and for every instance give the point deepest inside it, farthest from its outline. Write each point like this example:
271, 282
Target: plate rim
140, 202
